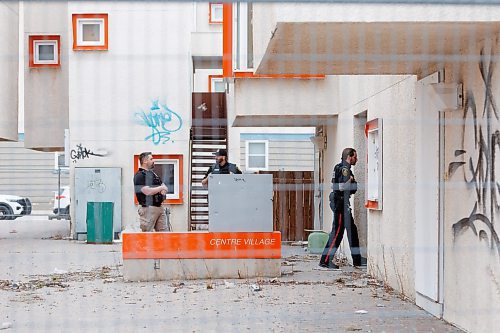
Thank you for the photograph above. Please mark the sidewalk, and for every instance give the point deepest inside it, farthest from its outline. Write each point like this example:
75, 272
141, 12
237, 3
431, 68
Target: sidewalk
49, 284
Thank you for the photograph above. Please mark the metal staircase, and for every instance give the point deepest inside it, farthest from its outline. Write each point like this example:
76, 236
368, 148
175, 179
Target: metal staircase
208, 133
202, 149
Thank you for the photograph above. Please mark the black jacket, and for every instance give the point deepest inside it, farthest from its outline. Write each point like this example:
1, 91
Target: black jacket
226, 169
342, 185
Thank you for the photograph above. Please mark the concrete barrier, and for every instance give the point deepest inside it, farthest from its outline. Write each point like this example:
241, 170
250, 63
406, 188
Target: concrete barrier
151, 256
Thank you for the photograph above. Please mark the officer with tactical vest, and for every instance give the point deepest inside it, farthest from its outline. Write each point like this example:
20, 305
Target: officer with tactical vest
343, 185
221, 166
150, 192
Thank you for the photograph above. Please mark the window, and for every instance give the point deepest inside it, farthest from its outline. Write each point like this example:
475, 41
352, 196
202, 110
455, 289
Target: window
170, 169
256, 157
215, 14
90, 31
44, 50
243, 36
216, 83
373, 130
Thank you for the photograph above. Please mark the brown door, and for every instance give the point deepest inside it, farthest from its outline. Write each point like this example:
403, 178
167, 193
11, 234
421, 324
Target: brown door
293, 203
209, 110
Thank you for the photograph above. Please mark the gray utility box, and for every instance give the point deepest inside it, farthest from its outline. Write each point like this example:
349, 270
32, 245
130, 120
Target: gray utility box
240, 203
94, 185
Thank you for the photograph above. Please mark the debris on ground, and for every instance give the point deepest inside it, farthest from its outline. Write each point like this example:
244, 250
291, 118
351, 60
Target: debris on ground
361, 283
59, 271
229, 285
55, 237
299, 243
5, 325
60, 279
255, 287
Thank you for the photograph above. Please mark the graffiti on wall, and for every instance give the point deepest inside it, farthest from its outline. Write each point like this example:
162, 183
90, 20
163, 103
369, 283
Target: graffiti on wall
97, 184
81, 153
161, 120
481, 125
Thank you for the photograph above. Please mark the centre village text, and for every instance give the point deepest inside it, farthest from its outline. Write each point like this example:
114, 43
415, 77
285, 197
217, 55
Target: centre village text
239, 241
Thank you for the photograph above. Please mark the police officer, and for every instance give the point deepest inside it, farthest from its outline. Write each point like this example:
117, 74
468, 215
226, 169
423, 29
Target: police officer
150, 192
221, 166
344, 185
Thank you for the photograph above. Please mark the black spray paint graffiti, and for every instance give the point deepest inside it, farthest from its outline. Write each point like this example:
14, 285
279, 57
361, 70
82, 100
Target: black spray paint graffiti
81, 153
479, 170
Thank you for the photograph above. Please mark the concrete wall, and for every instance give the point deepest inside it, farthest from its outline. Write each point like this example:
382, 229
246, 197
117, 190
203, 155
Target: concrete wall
9, 60
29, 173
471, 231
202, 22
148, 65
206, 40
195, 269
266, 15
46, 89
389, 239
206, 44
471, 209
276, 97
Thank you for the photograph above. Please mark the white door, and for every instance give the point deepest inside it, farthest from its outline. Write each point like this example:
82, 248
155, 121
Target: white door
428, 243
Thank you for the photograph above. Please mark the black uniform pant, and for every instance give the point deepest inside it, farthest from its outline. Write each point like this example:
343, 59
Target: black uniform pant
342, 220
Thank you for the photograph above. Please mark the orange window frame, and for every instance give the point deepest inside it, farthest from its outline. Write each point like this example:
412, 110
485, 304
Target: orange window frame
375, 124
178, 157
31, 48
77, 47
210, 19
213, 76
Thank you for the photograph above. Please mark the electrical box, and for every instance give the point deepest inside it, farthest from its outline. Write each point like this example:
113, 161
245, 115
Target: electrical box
97, 185
240, 202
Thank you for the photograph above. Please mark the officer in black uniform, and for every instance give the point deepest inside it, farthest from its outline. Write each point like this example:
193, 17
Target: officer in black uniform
344, 185
221, 166
150, 192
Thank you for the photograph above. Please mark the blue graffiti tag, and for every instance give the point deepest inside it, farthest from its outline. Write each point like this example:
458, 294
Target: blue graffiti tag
162, 120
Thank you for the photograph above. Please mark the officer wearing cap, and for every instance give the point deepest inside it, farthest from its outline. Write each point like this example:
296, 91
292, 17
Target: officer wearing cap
150, 192
221, 166
343, 185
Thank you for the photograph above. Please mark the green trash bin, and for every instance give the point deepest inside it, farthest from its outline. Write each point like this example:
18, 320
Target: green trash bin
99, 222
316, 242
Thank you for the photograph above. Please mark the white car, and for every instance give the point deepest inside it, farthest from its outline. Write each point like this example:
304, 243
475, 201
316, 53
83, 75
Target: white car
12, 207
62, 201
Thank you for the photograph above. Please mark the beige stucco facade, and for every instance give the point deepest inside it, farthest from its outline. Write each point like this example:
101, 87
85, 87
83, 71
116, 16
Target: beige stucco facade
472, 246
9, 62
139, 87
46, 89
447, 259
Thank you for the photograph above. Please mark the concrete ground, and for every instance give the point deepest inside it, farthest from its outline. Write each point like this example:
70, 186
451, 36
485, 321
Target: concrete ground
51, 284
